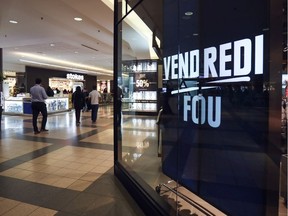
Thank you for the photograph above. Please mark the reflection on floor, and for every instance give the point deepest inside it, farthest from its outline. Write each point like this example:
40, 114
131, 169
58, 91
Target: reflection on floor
65, 171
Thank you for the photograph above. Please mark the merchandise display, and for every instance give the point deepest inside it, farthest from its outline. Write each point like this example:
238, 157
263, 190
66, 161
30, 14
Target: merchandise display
13, 106
57, 104
22, 105
140, 86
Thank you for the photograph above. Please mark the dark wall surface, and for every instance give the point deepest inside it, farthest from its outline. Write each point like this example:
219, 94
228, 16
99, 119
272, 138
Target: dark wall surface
33, 72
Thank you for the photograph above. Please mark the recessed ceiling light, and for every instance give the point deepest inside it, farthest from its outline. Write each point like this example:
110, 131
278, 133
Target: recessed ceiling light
13, 21
52, 45
189, 13
78, 19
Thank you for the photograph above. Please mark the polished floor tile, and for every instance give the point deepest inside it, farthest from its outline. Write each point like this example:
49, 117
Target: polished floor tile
65, 171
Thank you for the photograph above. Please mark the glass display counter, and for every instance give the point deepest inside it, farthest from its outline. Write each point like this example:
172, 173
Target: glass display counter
22, 105
13, 105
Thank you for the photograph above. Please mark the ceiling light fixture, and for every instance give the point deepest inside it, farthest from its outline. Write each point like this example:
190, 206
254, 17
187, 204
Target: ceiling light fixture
13, 21
78, 19
63, 63
62, 67
189, 13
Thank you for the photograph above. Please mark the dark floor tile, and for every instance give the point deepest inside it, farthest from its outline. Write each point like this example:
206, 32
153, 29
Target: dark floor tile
109, 206
11, 187
61, 199
39, 195
104, 189
79, 204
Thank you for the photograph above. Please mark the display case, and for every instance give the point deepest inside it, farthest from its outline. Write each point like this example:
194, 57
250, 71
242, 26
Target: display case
139, 86
13, 105
22, 105
57, 104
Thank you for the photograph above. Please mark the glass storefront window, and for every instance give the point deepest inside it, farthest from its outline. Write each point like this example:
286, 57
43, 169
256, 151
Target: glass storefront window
200, 123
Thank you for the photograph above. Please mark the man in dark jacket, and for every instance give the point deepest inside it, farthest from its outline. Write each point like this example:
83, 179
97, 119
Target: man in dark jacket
78, 100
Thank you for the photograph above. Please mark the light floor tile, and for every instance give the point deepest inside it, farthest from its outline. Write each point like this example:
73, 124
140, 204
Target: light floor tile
101, 169
50, 179
73, 165
105, 137
23, 209
25, 165
50, 169
80, 185
63, 134
11, 148
21, 174
91, 176
36, 177
43, 212
36, 167
86, 167
75, 174
10, 172
7, 204
63, 182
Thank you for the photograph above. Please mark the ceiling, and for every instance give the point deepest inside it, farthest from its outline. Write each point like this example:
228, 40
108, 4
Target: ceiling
47, 35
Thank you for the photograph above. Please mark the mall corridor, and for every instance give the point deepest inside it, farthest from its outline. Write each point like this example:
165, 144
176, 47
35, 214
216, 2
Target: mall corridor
66, 171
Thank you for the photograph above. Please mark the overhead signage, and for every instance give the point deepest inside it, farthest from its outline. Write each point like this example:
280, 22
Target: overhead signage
75, 76
9, 73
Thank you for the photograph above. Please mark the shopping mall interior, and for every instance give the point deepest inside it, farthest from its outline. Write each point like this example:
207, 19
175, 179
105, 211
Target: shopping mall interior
65, 171
192, 117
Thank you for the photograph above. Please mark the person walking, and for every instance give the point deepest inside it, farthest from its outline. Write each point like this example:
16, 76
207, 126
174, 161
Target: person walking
94, 96
119, 105
38, 96
1, 105
86, 106
78, 101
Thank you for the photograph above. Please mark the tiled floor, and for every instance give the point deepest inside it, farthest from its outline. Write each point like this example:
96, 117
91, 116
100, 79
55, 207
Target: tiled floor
66, 171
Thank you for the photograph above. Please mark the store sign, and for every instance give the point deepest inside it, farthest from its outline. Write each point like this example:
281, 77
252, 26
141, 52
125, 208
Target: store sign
186, 66
74, 76
9, 73
142, 83
145, 81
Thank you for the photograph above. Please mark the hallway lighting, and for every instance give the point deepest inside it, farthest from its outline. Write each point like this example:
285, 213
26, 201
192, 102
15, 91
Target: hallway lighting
13, 21
62, 67
78, 19
62, 64
138, 25
189, 13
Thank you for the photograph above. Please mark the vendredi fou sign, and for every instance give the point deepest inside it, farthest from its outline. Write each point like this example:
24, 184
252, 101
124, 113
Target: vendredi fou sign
240, 54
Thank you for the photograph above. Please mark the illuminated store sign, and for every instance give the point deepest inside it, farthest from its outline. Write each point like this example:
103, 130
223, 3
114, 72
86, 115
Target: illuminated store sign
142, 83
187, 66
74, 76
188, 63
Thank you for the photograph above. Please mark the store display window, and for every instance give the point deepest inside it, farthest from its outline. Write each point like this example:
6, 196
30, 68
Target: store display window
139, 85
215, 146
